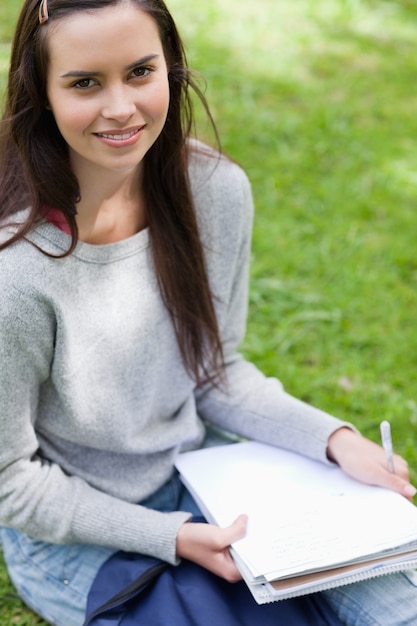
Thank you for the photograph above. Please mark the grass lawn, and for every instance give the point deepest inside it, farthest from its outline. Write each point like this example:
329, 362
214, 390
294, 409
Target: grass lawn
317, 100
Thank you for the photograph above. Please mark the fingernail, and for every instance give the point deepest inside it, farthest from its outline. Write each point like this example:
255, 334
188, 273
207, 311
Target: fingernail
409, 491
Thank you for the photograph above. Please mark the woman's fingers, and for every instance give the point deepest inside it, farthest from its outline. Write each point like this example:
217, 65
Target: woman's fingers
366, 461
208, 546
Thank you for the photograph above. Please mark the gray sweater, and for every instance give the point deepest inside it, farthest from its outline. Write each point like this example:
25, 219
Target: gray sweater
95, 403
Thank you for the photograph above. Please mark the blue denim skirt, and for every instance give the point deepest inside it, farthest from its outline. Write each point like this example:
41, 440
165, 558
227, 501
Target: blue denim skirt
54, 580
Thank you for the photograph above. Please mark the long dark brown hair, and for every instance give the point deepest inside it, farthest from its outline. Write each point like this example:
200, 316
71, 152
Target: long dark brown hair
35, 172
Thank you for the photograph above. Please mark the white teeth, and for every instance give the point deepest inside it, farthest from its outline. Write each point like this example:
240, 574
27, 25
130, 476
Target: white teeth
118, 137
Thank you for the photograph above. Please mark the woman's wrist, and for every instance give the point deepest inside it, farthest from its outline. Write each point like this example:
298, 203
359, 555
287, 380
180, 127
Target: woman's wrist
338, 440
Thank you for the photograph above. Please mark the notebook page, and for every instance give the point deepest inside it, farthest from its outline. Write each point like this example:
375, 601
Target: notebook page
303, 515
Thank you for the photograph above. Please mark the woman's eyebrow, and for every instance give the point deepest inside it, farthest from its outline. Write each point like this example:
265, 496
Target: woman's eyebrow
131, 66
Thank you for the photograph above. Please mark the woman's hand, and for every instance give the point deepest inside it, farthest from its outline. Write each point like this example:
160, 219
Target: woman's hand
366, 461
208, 546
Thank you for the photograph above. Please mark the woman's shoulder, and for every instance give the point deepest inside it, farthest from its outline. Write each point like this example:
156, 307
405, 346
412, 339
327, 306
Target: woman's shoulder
18, 270
218, 184
209, 167
21, 262
222, 196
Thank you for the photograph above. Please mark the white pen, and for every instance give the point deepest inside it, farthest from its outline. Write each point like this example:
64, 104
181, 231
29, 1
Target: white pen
387, 444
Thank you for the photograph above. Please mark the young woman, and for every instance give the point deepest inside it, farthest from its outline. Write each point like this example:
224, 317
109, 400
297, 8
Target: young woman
123, 274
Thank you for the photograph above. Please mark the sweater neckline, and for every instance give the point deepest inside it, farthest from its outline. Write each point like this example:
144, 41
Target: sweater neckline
55, 241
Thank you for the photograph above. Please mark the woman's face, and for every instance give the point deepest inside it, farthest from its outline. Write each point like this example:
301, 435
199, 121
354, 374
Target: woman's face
107, 86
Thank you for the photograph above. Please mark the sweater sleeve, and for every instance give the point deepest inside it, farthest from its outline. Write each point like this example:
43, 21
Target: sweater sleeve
37, 496
251, 404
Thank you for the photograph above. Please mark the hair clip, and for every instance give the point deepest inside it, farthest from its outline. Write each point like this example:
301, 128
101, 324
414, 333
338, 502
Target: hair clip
43, 12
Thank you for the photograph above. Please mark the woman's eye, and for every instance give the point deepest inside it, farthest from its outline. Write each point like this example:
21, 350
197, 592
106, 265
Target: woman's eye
84, 83
141, 72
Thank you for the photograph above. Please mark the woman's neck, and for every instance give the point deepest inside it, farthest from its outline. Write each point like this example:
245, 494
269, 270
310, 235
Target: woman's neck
111, 208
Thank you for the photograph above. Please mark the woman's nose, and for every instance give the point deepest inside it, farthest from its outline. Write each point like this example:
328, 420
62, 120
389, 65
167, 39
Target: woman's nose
119, 105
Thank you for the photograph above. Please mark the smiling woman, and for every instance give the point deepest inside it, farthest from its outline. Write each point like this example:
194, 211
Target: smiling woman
110, 106
125, 248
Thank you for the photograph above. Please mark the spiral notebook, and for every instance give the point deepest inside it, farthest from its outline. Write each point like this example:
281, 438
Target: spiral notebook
310, 526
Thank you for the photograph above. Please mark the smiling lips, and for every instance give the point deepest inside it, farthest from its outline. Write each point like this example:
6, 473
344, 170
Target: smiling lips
125, 137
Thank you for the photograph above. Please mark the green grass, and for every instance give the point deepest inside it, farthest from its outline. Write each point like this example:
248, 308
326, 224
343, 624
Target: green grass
317, 99
8, 14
